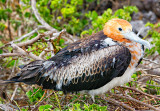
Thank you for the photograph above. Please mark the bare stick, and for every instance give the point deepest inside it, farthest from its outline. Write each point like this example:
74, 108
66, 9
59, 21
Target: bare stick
21, 51
119, 103
140, 92
8, 107
10, 54
41, 55
35, 11
151, 61
30, 33
135, 100
154, 70
22, 89
33, 3
50, 46
9, 28
30, 42
14, 93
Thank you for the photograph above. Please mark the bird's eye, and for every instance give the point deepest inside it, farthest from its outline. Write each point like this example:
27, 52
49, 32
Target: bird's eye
120, 29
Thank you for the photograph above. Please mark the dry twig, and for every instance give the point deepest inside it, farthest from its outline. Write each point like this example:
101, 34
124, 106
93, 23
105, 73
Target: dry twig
133, 89
21, 51
15, 90
35, 11
113, 101
30, 42
30, 33
135, 100
151, 61
10, 55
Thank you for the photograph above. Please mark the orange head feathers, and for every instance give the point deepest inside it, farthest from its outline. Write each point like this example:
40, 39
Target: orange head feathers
121, 31
113, 29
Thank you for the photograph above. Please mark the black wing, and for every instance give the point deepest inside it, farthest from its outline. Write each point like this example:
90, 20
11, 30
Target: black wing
84, 65
91, 70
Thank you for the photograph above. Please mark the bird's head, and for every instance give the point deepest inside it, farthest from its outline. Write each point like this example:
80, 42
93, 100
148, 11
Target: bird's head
121, 31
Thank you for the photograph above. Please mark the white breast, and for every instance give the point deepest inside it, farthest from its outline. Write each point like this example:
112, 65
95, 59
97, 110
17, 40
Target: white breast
108, 42
115, 82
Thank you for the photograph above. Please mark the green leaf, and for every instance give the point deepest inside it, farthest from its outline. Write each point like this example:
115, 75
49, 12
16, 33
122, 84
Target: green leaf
134, 76
29, 93
46, 107
2, 26
23, 109
8, 10
89, 1
61, 42
57, 109
3, 1
1, 51
27, 14
84, 32
11, 63
68, 11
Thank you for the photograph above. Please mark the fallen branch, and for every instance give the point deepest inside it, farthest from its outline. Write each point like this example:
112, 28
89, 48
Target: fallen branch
113, 101
30, 33
133, 89
41, 55
14, 93
30, 42
22, 52
50, 46
8, 107
151, 61
10, 55
35, 11
135, 100
154, 69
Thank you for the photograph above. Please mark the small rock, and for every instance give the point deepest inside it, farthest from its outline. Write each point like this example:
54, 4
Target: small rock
138, 3
139, 25
148, 4
137, 16
156, 7
149, 17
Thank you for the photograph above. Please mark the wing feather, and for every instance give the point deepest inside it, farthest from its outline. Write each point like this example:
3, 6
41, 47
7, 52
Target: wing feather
92, 70
84, 65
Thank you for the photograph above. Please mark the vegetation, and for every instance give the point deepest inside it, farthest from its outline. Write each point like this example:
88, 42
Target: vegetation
18, 19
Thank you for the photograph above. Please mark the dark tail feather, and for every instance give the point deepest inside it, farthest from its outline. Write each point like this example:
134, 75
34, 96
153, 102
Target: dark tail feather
34, 73
14, 79
30, 73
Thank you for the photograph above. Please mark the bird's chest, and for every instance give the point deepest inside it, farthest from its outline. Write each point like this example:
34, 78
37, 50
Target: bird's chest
136, 54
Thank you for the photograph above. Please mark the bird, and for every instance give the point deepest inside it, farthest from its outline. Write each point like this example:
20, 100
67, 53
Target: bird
91, 65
